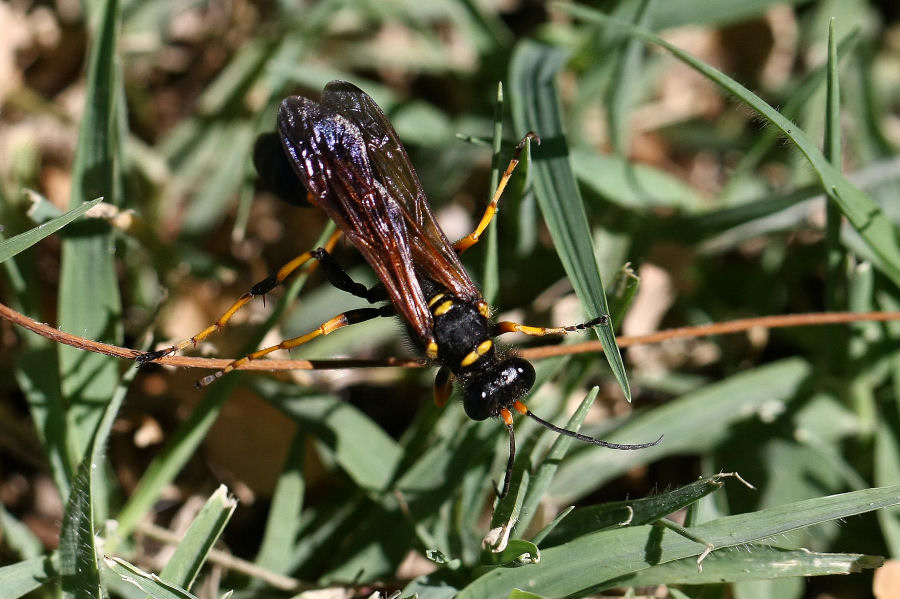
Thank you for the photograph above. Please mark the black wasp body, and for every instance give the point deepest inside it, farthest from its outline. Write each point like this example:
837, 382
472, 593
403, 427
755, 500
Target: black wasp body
354, 167
489, 380
342, 155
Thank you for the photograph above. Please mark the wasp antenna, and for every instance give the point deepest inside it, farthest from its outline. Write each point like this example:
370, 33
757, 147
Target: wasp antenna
587, 439
507, 478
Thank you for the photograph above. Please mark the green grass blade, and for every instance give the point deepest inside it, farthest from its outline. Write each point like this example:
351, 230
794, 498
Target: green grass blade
491, 277
520, 594
38, 378
543, 475
887, 470
835, 255
620, 97
763, 525
89, 302
17, 580
77, 551
77, 554
587, 563
23, 241
190, 554
535, 107
362, 448
222, 176
18, 537
283, 523
604, 516
757, 562
833, 103
866, 216
146, 582
677, 13
718, 406
632, 186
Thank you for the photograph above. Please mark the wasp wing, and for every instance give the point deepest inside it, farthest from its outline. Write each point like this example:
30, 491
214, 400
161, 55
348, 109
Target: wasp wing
330, 155
432, 251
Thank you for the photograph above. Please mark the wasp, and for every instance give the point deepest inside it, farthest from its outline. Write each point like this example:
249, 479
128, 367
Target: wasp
342, 155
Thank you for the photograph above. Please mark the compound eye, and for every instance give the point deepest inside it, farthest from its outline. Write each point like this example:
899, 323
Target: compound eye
477, 402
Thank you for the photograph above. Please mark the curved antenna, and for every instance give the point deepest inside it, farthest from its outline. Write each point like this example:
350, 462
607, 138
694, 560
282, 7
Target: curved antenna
520, 407
585, 438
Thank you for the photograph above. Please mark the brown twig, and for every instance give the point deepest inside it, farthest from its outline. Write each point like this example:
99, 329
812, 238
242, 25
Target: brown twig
45, 330
534, 353
716, 328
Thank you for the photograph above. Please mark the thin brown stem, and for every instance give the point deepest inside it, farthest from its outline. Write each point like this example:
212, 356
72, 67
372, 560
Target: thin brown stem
534, 353
716, 328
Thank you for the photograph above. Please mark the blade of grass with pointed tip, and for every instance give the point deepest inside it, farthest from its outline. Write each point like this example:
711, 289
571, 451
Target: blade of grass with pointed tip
873, 226
535, 107
630, 185
145, 581
589, 562
190, 554
23, 241
89, 302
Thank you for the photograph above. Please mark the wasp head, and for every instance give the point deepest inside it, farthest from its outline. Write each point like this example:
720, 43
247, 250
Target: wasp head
496, 386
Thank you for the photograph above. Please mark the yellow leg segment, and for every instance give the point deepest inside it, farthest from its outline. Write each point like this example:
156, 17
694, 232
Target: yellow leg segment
338, 322
473, 237
507, 326
260, 288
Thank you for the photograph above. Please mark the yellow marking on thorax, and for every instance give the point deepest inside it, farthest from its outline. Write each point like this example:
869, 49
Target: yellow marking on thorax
484, 309
483, 348
443, 308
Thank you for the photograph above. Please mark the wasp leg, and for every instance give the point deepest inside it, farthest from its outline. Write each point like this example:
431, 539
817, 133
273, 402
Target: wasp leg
339, 278
261, 288
443, 386
473, 237
506, 326
329, 326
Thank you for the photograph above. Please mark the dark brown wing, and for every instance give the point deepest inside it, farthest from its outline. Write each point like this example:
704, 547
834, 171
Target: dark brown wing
432, 252
329, 153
